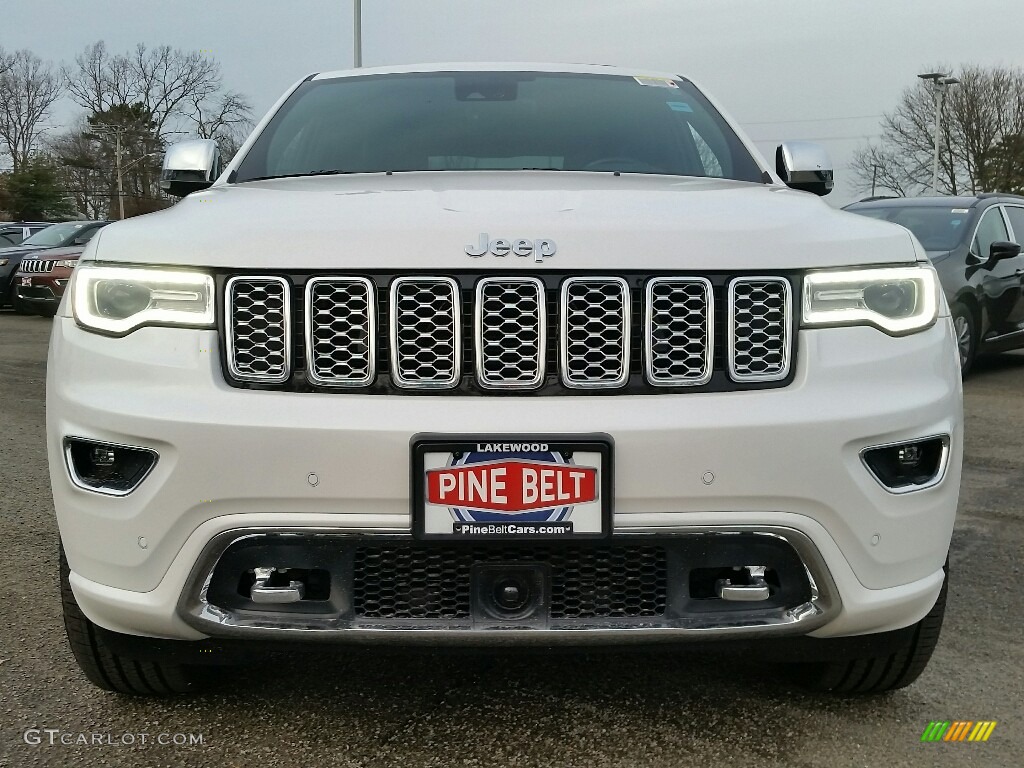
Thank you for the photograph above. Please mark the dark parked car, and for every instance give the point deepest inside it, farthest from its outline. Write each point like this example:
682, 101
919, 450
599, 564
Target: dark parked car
40, 281
975, 245
63, 235
13, 232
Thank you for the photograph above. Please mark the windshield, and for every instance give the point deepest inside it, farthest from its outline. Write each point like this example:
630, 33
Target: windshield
57, 234
938, 229
470, 121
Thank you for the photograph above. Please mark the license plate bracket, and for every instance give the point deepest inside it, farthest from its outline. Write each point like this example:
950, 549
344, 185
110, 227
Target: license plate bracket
511, 487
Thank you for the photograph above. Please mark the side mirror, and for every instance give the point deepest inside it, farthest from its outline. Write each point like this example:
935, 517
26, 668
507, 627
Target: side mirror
1002, 250
190, 166
804, 166
80, 241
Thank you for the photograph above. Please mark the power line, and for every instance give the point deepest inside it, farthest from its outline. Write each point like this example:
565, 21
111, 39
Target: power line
811, 120
820, 138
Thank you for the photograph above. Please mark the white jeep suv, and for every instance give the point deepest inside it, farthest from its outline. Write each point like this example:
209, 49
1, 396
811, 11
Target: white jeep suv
503, 354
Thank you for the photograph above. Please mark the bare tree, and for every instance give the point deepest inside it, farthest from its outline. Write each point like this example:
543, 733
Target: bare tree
980, 117
28, 89
227, 120
167, 82
883, 170
83, 169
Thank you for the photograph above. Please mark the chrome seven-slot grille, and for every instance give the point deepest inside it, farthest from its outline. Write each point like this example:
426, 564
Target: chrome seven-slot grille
35, 266
509, 332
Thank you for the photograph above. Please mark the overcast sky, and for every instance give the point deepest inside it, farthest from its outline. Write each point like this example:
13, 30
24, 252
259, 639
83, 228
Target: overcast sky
800, 69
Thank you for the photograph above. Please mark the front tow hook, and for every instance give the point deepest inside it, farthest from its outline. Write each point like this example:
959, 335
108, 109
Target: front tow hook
755, 590
261, 593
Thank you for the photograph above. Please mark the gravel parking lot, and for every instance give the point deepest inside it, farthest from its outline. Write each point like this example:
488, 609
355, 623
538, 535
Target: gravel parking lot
652, 709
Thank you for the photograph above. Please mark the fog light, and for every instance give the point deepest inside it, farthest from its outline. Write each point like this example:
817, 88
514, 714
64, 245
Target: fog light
909, 455
108, 468
908, 466
102, 456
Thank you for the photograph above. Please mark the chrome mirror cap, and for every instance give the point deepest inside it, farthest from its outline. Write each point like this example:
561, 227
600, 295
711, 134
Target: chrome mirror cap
190, 166
805, 166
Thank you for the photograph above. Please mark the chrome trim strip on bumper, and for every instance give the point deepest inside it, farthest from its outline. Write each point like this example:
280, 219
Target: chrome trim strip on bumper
824, 604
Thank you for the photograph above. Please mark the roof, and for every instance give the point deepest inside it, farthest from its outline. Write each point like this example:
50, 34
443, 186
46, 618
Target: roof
942, 201
499, 66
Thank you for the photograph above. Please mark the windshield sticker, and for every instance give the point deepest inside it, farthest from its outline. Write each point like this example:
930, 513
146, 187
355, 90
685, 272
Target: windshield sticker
960, 210
679, 106
656, 82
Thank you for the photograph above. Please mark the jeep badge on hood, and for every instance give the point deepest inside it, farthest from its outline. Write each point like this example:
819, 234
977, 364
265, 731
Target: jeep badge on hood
541, 249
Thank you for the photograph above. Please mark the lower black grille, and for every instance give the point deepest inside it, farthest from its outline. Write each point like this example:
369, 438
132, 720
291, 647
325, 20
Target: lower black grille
587, 582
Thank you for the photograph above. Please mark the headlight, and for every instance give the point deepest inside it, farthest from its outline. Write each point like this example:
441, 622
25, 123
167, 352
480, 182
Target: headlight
897, 300
117, 300
66, 263
4, 262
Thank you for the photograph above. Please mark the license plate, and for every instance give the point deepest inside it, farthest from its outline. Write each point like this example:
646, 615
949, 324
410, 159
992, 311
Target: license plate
502, 487
26, 281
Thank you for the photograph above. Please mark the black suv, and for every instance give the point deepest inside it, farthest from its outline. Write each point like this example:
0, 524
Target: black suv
13, 232
61, 235
975, 245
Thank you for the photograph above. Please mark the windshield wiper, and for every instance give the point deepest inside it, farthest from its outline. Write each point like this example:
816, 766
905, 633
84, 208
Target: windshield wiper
307, 173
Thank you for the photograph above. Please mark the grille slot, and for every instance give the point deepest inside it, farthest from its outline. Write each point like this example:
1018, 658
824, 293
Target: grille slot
35, 266
679, 329
760, 318
434, 582
259, 328
426, 343
340, 323
595, 332
510, 332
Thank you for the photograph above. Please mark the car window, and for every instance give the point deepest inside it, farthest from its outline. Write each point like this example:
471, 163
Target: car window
992, 229
56, 234
1015, 213
938, 228
86, 236
487, 121
7, 241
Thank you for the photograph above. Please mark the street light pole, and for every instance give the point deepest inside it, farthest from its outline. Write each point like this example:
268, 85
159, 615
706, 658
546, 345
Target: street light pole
357, 29
940, 82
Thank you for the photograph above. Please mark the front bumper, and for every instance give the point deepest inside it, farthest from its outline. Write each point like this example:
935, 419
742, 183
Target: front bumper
238, 460
42, 291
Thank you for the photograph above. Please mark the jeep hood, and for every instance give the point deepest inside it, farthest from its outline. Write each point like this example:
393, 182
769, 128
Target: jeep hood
424, 221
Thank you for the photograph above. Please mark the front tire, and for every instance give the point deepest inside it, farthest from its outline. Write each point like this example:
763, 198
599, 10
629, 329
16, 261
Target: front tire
966, 329
110, 670
879, 674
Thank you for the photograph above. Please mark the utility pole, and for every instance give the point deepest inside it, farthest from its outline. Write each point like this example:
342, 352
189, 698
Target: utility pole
940, 82
117, 130
357, 29
874, 178
117, 165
